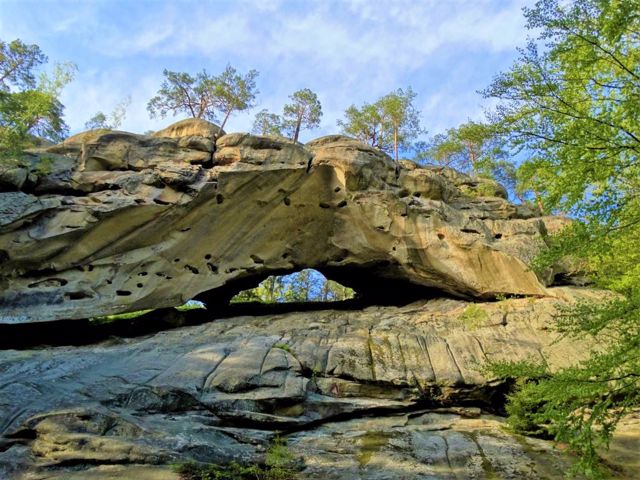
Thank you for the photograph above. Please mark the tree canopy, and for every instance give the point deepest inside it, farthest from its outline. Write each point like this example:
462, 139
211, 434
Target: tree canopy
111, 121
389, 124
267, 123
304, 111
234, 92
474, 148
203, 95
571, 103
29, 103
304, 286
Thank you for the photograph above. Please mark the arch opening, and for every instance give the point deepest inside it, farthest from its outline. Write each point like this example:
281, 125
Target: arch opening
307, 285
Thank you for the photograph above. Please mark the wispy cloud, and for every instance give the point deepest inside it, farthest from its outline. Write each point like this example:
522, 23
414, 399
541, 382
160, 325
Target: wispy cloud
349, 51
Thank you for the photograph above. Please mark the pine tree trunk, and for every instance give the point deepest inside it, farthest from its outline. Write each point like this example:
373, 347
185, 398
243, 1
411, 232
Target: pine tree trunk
224, 122
395, 143
297, 131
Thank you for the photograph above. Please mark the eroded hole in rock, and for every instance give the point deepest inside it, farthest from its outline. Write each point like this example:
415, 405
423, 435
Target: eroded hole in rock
213, 268
192, 269
77, 295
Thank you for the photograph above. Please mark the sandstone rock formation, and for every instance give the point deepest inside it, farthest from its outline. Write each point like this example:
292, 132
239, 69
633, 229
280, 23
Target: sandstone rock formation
386, 392
108, 222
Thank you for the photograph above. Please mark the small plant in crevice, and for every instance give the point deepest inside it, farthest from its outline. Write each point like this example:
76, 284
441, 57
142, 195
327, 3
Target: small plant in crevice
279, 464
283, 346
473, 317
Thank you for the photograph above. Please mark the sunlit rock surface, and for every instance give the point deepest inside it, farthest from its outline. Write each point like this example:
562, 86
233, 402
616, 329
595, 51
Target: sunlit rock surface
109, 221
377, 393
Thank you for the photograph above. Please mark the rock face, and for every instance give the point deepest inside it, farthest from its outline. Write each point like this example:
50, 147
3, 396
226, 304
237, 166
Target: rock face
108, 222
220, 391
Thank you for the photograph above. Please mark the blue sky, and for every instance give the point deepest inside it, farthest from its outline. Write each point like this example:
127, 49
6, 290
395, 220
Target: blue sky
347, 51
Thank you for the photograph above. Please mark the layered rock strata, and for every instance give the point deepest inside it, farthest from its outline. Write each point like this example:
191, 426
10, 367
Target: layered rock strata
219, 392
109, 222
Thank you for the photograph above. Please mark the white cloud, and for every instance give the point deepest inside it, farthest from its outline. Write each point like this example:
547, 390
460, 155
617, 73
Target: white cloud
348, 51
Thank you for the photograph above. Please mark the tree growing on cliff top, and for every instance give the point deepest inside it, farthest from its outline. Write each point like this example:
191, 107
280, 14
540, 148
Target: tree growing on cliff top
267, 123
111, 121
403, 119
204, 96
366, 124
475, 148
304, 111
234, 92
29, 103
572, 102
389, 124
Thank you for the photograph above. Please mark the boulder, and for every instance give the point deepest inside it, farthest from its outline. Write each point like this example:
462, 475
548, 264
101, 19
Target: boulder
191, 127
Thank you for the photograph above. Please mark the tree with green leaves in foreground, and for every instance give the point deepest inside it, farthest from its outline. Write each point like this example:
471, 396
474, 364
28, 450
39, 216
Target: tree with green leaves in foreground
203, 95
267, 123
29, 102
304, 111
111, 121
572, 103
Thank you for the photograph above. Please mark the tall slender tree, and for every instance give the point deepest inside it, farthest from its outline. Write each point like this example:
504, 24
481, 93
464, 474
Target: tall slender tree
389, 124
304, 111
403, 119
233, 92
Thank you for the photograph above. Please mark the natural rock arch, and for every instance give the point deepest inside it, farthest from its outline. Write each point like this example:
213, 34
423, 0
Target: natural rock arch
147, 226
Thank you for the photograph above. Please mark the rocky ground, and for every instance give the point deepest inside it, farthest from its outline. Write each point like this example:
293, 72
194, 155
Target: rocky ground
382, 392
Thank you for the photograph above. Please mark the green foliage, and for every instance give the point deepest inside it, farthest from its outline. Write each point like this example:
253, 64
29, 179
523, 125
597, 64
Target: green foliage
284, 346
304, 111
389, 124
119, 316
111, 121
17, 64
279, 465
234, 92
204, 96
279, 461
473, 317
474, 148
304, 286
29, 107
572, 101
267, 123
366, 124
